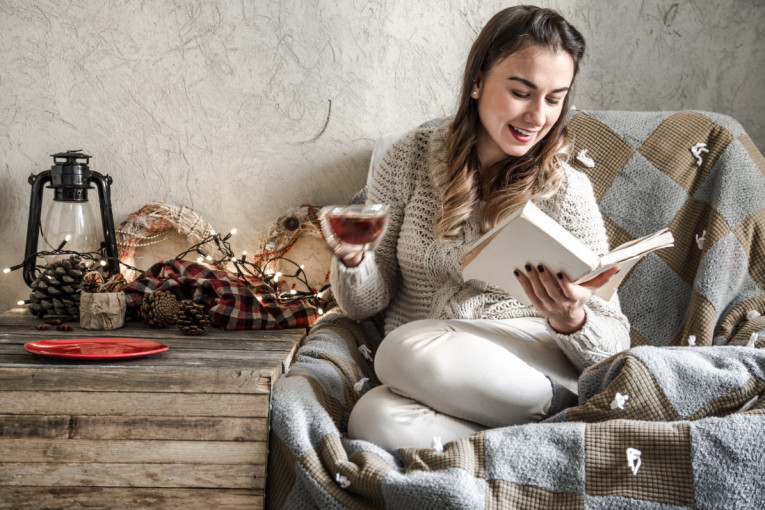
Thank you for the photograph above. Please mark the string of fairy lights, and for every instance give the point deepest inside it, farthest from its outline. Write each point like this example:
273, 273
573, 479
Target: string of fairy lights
247, 271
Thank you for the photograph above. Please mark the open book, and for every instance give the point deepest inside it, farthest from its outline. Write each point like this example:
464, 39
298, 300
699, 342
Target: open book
529, 236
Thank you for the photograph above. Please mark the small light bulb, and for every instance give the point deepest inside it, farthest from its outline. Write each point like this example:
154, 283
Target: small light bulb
244, 252
7, 270
259, 298
302, 266
233, 259
293, 292
233, 231
212, 232
68, 237
102, 262
199, 259
209, 257
20, 302
321, 312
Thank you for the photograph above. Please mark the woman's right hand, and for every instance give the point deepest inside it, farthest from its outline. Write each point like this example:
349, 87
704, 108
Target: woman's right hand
350, 255
352, 259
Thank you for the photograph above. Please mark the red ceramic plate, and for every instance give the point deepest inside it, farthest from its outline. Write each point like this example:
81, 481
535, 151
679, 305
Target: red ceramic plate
95, 348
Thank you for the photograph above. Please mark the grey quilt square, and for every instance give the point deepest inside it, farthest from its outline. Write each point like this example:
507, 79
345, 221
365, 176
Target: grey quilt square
722, 272
547, 456
622, 503
736, 187
642, 199
715, 475
452, 488
656, 312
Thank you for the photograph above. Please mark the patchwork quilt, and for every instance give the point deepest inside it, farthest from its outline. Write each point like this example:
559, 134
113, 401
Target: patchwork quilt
676, 421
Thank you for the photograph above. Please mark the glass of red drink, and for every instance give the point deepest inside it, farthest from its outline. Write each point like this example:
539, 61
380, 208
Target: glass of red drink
353, 226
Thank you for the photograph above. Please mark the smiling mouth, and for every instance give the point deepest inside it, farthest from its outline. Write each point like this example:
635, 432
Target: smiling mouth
520, 131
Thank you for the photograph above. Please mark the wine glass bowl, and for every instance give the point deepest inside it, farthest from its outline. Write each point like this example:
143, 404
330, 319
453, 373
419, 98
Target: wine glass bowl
358, 226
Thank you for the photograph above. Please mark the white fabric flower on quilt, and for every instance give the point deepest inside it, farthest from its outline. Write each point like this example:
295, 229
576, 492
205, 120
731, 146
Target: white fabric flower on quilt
584, 159
691, 340
633, 459
364, 350
700, 240
696, 150
753, 314
619, 401
752, 340
436, 444
342, 481
360, 384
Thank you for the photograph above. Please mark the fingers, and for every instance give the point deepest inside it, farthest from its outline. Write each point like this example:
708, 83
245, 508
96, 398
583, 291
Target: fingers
601, 279
350, 255
543, 289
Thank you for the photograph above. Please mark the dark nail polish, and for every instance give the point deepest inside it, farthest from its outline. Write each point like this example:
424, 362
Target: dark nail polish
516, 273
528, 267
560, 276
541, 268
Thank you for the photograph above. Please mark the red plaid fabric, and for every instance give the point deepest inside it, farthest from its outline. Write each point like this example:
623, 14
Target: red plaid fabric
231, 305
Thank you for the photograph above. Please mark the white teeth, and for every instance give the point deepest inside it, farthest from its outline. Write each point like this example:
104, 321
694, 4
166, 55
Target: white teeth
523, 131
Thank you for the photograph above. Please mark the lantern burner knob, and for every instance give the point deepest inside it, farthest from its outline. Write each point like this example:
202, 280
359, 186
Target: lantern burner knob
71, 157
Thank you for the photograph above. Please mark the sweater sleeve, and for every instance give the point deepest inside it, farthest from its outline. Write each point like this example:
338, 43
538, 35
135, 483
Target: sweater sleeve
366, 289
606, 329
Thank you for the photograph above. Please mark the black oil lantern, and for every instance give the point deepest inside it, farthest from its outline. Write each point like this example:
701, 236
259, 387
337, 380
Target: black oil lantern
69, 220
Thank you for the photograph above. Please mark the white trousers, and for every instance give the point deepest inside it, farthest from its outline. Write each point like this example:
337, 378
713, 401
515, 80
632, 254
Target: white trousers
452, 378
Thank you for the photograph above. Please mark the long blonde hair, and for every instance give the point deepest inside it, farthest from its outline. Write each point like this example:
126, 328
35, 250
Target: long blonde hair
515, 180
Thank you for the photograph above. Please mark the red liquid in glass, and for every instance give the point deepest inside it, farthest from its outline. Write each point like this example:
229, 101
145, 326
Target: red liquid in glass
355, 229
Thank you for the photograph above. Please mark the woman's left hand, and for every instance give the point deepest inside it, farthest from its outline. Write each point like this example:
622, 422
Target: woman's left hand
559, 299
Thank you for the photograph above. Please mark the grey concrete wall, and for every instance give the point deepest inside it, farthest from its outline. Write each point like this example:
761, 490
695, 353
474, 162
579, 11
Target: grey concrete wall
242, 110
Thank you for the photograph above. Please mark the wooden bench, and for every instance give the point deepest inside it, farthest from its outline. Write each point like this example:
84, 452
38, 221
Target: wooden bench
186, 428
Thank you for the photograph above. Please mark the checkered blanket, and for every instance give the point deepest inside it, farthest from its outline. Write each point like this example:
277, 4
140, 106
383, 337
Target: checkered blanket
676, 421
232, 305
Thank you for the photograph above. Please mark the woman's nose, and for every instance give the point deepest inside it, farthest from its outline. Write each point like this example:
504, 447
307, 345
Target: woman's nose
535, 114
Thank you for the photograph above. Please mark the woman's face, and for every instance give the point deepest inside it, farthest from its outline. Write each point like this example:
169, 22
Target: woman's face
519, 101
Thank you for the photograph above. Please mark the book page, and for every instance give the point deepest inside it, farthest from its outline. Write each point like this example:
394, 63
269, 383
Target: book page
660, 239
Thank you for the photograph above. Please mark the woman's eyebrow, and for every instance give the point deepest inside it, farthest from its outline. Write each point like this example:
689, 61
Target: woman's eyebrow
533, 86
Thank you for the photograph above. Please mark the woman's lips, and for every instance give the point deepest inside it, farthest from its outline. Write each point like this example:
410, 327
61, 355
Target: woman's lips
520, 134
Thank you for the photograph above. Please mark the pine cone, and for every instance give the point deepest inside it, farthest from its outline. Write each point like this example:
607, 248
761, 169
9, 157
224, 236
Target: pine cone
159, 308
92, 281
192, 318
56, 291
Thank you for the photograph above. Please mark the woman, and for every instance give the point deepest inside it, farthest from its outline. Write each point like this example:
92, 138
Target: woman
459, 356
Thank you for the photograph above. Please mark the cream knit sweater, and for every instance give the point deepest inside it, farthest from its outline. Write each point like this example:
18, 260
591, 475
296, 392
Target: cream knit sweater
411, 275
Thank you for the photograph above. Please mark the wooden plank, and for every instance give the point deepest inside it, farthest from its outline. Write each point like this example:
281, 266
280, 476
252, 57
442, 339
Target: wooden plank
242, 340
133, 427
133, 404
35, 498
255, 379
35, 474
129, 451
19, 320
174, 354
15, 426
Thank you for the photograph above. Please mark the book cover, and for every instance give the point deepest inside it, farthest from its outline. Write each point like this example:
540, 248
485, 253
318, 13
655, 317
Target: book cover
529, 236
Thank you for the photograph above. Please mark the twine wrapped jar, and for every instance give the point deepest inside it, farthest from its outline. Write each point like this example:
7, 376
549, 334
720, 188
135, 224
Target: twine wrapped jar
102, 310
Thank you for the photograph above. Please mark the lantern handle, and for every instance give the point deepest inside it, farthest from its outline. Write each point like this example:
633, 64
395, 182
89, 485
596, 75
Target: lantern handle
33, 226
103, 184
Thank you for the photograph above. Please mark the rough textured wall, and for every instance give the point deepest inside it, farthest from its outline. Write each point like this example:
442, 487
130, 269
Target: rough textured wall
242, 110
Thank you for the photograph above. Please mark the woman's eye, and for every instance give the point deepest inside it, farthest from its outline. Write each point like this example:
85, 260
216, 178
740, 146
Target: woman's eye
520, 95
553, 101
